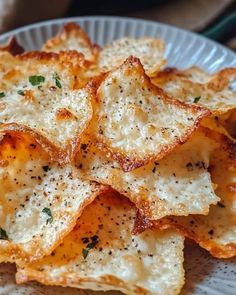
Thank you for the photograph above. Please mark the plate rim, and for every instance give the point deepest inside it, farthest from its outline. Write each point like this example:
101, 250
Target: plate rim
120, 18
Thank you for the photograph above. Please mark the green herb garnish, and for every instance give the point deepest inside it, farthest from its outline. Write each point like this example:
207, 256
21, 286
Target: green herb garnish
36, 80
3, 234
2, 94
85, 253
57, 80
196, 99
21, 92
93, 242
49, 213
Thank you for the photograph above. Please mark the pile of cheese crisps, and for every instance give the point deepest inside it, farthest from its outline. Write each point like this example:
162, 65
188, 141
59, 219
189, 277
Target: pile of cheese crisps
109, 160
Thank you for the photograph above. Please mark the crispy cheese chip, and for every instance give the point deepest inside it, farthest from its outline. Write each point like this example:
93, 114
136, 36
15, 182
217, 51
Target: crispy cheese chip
136, 121
101, 253
9, 287
12, 47
215, 92
179, 184
39, 200
215, 232
39, 95
194, 74
150, 52
230, 123
218, 124
73, 37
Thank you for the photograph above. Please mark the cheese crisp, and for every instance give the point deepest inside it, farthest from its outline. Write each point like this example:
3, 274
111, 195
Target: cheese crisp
215, 92
136, 121
150, 51
72, 37
102, 254
215, 232
39, 200
179, 184
39, 95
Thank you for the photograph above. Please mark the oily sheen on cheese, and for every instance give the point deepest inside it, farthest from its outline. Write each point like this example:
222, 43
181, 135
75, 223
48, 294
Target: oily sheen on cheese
42, 95
101, 253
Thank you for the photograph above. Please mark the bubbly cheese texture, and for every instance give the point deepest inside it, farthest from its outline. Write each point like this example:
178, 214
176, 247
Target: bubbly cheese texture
135, 121
101, 253
215, 232
39, 200
40, 96
150, 51
216, 92
73, 37
178, 184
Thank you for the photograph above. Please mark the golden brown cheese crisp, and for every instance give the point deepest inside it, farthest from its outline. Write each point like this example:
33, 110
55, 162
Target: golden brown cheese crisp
215, 232
215, 92
150, 51
44, 94
136, 122
73, 37
178, 184
39, 200
101, 253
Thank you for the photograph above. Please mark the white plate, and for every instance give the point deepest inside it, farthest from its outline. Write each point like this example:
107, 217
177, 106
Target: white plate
204, 275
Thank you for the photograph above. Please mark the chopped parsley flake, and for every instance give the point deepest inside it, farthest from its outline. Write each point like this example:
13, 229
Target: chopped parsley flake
57, 80
2, 94
36, 80
3, 234
92, 243
196, 99
85, 253
21, 92
49, 213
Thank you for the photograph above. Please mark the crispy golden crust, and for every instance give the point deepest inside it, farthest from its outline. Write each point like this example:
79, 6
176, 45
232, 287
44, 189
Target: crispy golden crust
132, 160
163, 187
211, 91
31, 182
108, 282
15, 129
69, 58
216, 250
12, 47
73, 67
119, 260
149, 50
217, 81
15, 253
72, 31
